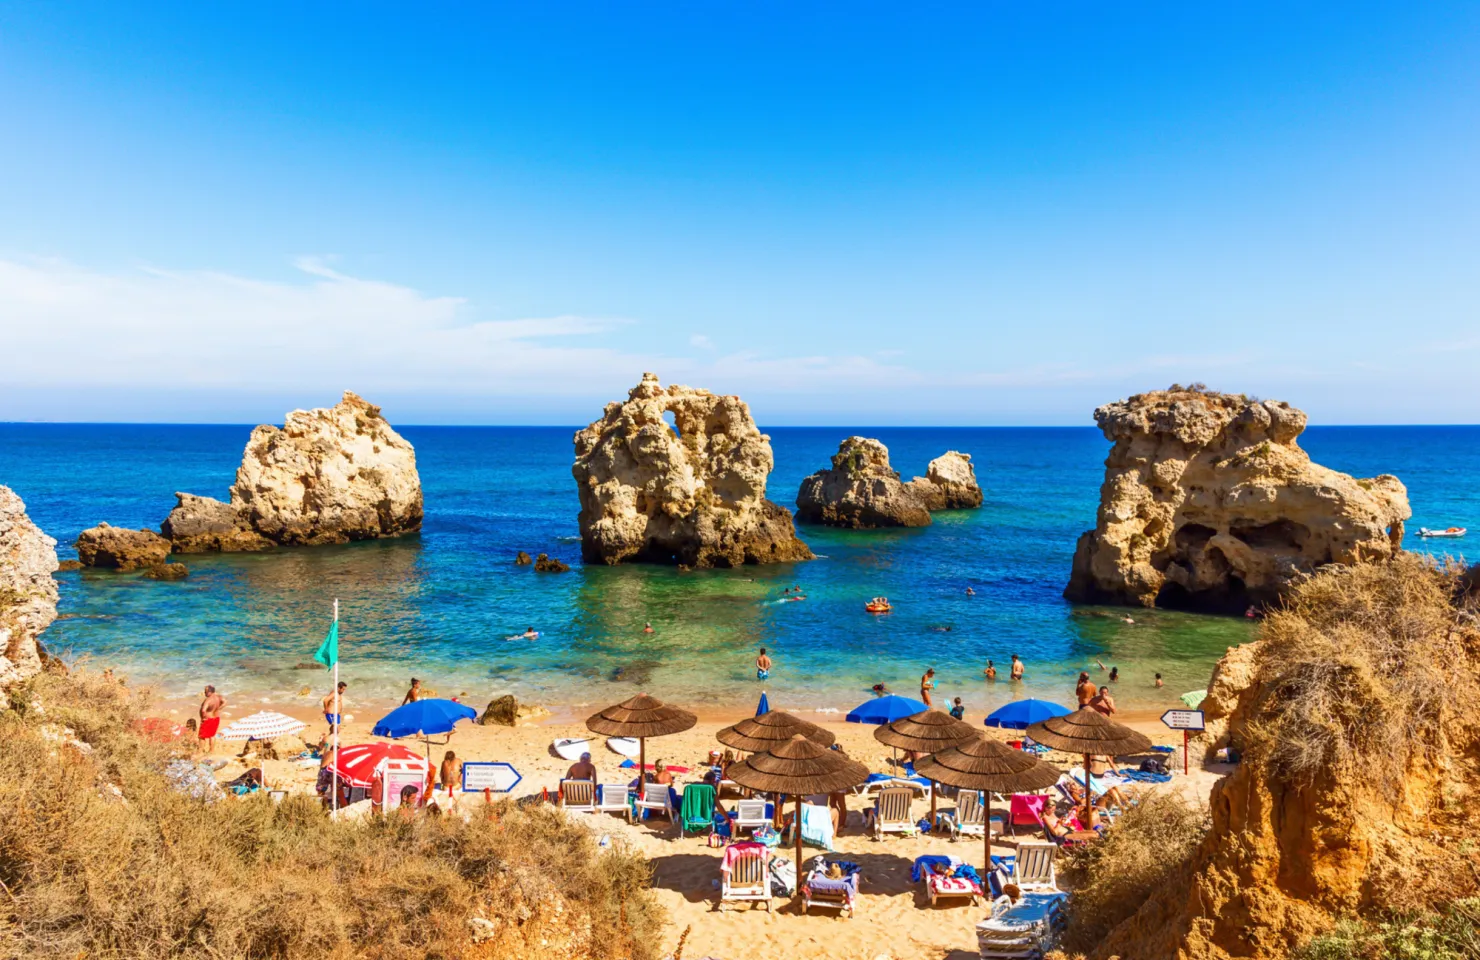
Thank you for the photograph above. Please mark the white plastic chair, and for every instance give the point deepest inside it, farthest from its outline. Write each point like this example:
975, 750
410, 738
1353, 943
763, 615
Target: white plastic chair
1033, 870
750, 814
655, 797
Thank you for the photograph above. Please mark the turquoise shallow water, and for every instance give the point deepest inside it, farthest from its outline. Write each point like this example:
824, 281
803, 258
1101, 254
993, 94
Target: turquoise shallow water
441, 605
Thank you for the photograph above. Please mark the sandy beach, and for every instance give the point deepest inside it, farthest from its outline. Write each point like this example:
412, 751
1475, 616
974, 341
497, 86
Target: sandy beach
893, 919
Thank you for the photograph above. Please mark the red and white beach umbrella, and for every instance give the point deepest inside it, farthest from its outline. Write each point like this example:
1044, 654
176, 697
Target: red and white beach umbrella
266, 725
359, 764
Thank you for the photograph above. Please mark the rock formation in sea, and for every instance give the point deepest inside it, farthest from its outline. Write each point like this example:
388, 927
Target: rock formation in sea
120, 548
329, 475
521, 559
693, 494
28, 594
861, 490
949, 483
544, 563
167, 571
1209, 503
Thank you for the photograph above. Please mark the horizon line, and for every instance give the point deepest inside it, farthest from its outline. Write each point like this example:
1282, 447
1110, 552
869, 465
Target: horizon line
763, 428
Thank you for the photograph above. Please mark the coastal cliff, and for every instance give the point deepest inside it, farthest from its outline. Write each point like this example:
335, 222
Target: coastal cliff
1209, 503
692, 494
861, 490
329, 475
28, 594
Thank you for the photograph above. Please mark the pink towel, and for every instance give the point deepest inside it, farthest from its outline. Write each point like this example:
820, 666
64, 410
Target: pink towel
737, 850
1027, 808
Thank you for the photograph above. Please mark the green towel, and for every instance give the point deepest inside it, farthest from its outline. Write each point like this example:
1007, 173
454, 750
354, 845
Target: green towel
697, 812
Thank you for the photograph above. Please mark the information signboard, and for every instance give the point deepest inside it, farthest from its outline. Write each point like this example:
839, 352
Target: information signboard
480, 775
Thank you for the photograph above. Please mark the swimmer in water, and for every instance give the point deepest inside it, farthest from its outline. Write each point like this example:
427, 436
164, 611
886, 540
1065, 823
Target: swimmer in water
1114, 674
1159, 682
647, 628
991, 671
970, 592
880, 690
530, 633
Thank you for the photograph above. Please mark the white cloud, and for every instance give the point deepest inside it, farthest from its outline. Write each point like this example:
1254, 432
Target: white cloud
701, 341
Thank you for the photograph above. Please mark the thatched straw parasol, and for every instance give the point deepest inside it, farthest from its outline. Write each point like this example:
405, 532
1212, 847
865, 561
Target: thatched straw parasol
798, 767
759, 734
1088, 733
642, 716
926, 732
985, 764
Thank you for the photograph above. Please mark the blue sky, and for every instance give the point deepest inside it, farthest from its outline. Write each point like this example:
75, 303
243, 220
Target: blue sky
861, 213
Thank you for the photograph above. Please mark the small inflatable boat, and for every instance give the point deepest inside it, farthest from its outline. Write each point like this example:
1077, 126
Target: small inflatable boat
1447, 532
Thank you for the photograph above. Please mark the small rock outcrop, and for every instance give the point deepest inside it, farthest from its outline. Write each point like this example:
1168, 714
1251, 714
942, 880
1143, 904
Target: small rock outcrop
120, 548
28, 594
949, 483
861, 490
1209, 503
167, 571
693, 494
547, 564
501, 711
521, 559
329, 475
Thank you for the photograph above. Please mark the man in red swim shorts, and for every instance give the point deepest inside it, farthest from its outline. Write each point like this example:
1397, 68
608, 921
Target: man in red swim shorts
210, 717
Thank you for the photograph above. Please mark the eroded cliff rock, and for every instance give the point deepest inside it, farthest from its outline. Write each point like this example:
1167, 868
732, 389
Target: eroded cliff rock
860, 490
121, 549
28, 594
329, 475
693, 494
949, 483
1209, 503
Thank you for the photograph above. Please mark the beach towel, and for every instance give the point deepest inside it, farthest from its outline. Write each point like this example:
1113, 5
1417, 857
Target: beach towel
697, 812
1142, 776
925, 863
783, 877
737, 850
817, 826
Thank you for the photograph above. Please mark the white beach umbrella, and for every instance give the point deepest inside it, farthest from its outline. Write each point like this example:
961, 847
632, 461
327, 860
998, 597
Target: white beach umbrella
266, 725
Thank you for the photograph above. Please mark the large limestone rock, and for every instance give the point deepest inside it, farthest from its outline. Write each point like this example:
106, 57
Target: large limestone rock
949, 483
120, 548
861, 490
1209, 503
328, 475
28, 594
695, 497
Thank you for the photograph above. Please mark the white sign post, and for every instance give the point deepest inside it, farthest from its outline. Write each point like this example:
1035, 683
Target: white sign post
479, 776
1186, 721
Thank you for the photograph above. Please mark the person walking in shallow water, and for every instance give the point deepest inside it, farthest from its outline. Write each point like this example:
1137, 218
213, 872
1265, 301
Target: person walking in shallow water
927, 683
763, 666
991, 671
1017, 668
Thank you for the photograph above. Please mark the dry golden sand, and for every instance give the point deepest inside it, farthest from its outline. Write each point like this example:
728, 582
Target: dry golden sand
893, 919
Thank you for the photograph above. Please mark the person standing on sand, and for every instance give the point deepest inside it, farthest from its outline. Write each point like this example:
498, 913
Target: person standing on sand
1084, 690
991, 671
210, 717
927, 683
763, 666
414, 694
1017, 668
334, 705
448, 773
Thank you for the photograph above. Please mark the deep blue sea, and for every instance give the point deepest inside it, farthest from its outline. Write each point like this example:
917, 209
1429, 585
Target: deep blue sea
442, 606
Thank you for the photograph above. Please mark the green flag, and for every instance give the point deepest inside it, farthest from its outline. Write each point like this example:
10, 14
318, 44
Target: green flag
328, 652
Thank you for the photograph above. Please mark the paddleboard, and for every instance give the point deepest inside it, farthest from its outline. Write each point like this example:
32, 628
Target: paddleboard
571, 748
626, 746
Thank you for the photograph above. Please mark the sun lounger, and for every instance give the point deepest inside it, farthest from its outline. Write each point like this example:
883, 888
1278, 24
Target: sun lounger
657, 797
750, 814
830, 893
745, 875
965, 883
697, 811
970, 816
892, 812
578, 796
1033, 870
613, 798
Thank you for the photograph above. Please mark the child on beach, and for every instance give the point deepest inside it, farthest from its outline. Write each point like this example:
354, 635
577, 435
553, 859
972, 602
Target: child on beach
763, 666
958, 710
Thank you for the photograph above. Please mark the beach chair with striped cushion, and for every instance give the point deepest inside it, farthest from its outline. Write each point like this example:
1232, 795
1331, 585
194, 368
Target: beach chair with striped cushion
656, 797
745, 875
892, 812
578, 796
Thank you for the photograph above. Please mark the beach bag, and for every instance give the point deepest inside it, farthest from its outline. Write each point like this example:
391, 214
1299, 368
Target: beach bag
1153, 765
783, 877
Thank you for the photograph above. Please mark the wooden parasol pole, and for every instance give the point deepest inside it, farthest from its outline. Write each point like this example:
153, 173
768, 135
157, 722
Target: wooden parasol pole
1088, 797
987, 807
798, 826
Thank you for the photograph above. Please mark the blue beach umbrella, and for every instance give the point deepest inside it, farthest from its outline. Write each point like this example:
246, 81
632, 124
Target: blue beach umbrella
764, 706
885, 709
1021, 714
423, 718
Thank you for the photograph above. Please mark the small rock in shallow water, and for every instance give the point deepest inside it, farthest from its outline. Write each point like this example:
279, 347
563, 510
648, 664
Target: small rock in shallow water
167, 571
545, 564
521, 559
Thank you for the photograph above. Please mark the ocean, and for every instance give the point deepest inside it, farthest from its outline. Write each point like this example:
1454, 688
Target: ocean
446, 606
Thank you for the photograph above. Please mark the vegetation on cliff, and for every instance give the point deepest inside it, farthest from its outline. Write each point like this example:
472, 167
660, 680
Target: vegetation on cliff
100, 857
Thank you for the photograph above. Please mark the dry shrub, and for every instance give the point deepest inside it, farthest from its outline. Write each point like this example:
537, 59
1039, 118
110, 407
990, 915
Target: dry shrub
1149, 845
1359, 668
159, 874
1451, 933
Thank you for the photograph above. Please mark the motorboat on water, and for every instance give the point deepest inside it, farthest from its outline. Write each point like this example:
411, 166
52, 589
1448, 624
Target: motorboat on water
1446, 532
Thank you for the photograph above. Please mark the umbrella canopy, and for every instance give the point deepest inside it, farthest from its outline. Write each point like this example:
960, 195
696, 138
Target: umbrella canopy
1193, 698
642, 716
266, 725
885, 709
761, 733
359, 763
985, 764
1021, 714
1088, 732
925, 732
422, 718
798, 766
764, 706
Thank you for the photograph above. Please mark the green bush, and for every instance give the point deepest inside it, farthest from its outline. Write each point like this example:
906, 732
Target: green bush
1451, 934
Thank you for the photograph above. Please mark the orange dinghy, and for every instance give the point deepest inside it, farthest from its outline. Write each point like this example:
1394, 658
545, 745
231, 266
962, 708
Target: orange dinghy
878, 605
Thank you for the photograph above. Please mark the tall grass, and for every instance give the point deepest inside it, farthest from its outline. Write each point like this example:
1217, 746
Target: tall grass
100, 858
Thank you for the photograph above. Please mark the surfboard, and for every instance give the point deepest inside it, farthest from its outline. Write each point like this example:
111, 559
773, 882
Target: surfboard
571, 748
626, 746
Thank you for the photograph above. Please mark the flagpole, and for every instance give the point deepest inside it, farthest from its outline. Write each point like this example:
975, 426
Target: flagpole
338, 715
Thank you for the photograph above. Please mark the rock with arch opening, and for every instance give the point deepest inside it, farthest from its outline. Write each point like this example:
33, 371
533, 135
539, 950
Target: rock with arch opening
1210, 504
693, 494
